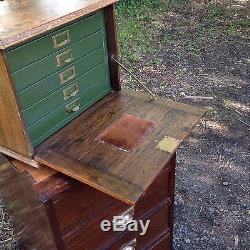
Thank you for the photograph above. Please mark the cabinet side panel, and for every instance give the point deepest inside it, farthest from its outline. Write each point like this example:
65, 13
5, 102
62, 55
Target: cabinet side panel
12, 133
110, 25
27, 212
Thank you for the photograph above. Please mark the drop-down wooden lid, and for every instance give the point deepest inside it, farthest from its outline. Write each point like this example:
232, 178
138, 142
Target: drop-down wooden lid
120, 144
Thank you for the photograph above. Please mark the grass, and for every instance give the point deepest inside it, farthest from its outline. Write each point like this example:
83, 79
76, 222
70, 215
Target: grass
137, 29
141, 28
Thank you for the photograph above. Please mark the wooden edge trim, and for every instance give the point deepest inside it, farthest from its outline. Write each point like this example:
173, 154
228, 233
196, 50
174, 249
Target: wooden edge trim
17, 106
119, 189
111, 35
19, 157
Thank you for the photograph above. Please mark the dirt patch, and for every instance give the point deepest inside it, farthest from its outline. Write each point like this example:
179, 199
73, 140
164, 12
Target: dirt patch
201, 56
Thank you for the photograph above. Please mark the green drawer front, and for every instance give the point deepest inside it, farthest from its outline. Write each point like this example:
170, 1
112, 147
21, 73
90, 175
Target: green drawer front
47, 86
42, 47
66, 94
48, 65
58, 118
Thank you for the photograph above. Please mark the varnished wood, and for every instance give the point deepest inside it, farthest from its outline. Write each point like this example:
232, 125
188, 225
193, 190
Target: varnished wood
13, 136
18, 156
26, 211
110, 23
75, 151
38, 174
155, 231
24, 20
163, 243
74, 210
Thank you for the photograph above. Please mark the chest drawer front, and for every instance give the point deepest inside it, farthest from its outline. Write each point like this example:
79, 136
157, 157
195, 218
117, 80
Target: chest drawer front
65, 94
164, 242
59, 79
154, 206
79, 204
158, 226
53, 42
49, 85
89, 235
41, 69
65, 113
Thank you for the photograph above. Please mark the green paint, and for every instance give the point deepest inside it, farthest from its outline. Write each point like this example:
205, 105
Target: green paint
42, 47
59, 118
41, 69
54, 100
52, 83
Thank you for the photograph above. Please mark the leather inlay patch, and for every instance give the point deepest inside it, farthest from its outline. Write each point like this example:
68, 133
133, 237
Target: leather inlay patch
127, 132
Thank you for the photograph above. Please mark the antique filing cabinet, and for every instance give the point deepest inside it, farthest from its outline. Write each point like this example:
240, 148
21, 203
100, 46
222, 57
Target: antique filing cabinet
81, 149
54, 65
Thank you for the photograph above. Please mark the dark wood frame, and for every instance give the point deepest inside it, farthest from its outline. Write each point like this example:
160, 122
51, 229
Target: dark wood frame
110, 24
34, 211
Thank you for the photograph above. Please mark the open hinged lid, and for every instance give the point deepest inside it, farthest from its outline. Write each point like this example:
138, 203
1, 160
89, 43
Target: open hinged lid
120, 144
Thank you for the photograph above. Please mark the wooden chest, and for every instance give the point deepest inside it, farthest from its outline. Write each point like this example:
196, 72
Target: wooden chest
62, 213
53, 66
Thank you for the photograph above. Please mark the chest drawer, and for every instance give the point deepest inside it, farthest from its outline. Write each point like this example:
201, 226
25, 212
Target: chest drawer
41, 69
55, 120
63, 95
89, 235
153, 205
79, 204
53, 42
164, 242
158, 226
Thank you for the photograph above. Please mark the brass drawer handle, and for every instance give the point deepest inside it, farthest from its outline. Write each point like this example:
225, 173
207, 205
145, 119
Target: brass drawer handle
67, 75
61, 39
130, 245
64, 58
126, 217
71, 91
73, 106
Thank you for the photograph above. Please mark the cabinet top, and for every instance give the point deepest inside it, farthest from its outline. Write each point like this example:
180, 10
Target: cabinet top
22, 20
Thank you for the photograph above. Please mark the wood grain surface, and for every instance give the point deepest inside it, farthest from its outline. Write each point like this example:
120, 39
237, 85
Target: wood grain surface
111, 34
12, 132
23, 20
75, 151
69, 212
26, 212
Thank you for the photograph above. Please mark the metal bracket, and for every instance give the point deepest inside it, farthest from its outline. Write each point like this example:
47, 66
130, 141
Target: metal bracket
152, 95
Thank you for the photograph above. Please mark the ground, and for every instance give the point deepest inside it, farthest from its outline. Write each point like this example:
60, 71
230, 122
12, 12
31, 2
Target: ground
199, 53
196, 52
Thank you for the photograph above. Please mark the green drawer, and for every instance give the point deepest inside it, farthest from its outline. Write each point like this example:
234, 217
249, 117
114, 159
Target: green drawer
47, 86
48, 65
58, 118
46, 45
66, 94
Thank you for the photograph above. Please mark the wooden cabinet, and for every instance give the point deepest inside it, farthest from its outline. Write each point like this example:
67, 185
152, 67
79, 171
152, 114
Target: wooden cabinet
50, 77
72, 212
